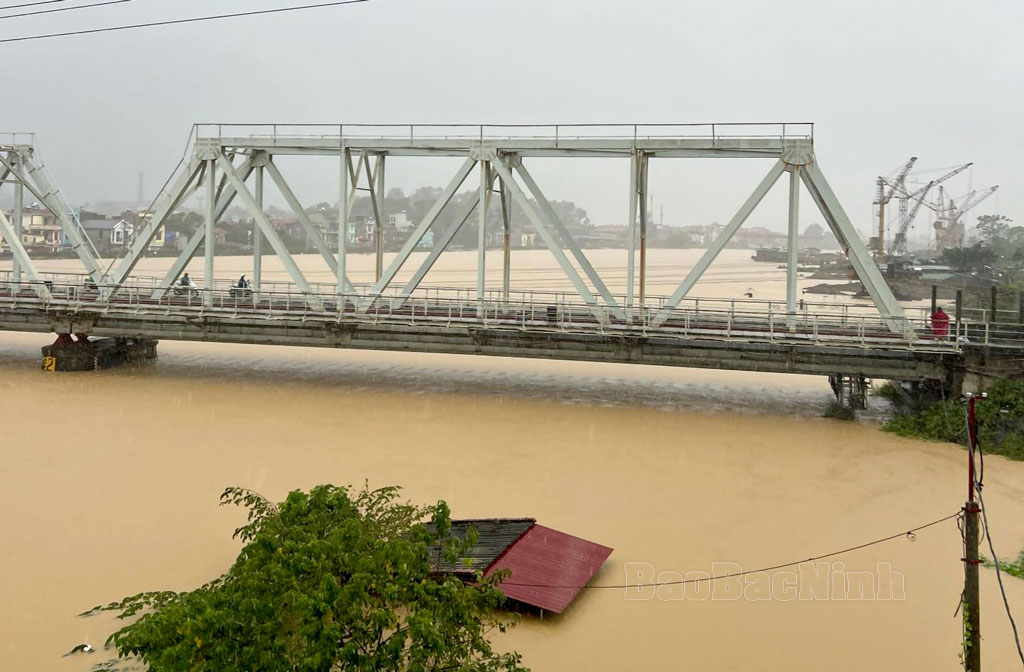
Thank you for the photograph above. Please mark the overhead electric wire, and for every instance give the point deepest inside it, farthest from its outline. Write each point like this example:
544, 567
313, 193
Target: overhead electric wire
60, 9
909, 534
172, 22
32, 4
999, 578
979, 484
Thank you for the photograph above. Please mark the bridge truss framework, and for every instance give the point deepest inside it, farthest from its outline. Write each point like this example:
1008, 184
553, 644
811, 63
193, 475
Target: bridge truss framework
230, 166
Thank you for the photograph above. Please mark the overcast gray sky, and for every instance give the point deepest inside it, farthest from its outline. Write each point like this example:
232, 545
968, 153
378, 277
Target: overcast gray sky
882, 80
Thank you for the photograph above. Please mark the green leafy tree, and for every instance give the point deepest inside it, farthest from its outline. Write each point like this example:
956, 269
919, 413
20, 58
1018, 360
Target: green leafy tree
970, 259
327, 580
993, 228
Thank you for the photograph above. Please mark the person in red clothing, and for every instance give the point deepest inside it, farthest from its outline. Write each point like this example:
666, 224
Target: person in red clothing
940, 323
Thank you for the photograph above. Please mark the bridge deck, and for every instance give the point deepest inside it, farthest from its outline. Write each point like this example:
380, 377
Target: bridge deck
704, 334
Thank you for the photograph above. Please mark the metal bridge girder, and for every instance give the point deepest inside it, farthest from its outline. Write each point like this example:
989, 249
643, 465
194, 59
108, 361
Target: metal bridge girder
304, 220
549, 239
33, 176
547, 212
192, 246
166, 206
268, 231
858, 254
723, 239
418, 233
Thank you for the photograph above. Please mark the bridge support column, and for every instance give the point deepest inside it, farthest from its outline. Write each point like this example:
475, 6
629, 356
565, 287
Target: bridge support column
78, 353
794, 246
851, 393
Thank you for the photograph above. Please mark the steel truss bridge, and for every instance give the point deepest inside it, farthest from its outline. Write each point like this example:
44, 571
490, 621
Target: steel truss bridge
231, 164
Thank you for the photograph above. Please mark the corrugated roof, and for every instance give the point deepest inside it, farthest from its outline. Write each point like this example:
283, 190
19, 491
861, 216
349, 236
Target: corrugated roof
494, 536
543, 558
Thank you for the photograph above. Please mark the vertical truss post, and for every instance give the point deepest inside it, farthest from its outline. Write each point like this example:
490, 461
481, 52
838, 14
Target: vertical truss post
642, 198
858, 254
481, 256
343, 210
18, 213
257, 237
378, 212
794, 245
631, 234
506, 223
716, 247
211, 221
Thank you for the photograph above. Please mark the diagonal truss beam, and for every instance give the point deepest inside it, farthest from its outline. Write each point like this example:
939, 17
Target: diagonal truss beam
167, 204
47, 193
268, 231
192, 246
440, 245
418, 233
307, 224
548, 213
18, 249
716, 248
856, 251
548, 237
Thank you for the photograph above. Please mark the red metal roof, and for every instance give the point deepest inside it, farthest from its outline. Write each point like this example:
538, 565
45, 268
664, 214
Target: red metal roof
554, 564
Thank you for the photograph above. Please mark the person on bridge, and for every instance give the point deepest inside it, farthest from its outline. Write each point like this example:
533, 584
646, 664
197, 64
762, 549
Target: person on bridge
242, 283
940, 322
186, 281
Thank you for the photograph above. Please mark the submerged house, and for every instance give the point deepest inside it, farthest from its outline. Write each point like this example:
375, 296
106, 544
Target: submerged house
547, 568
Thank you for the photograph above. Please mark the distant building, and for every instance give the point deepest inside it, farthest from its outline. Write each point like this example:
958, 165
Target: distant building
400, 221
40, 231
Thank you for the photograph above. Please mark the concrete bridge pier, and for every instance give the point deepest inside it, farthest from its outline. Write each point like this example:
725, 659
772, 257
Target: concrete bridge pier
80, 353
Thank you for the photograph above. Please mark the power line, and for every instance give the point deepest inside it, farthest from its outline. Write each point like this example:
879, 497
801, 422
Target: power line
172, 22
60, 9
32, 4
999, 577
909, 534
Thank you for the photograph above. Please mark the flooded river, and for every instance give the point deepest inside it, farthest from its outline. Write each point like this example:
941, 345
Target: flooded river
109, 484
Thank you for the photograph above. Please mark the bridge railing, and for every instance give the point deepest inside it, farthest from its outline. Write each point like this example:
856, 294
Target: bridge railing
713, 319
788, 130
843, 312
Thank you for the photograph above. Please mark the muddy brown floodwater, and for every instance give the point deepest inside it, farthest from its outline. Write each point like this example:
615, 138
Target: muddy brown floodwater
109, 484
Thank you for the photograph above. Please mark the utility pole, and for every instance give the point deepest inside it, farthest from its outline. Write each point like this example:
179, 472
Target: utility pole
972, 603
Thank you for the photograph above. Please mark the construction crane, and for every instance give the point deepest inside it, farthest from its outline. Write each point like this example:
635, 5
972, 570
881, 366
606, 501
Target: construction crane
899, 241
887, 188
949, 223
898, 248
